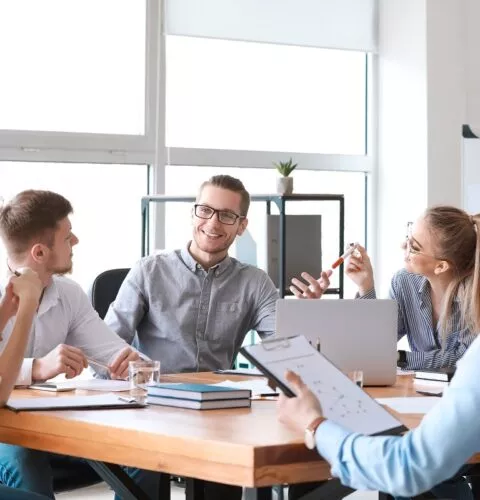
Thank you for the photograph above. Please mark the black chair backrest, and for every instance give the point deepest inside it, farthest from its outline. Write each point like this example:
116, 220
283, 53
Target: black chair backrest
105, 288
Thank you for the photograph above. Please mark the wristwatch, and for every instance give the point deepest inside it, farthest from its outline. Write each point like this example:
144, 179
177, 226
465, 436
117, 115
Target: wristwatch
401, 359
309, 437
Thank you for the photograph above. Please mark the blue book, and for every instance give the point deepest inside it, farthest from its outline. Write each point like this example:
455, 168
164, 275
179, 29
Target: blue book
214, 404
198, 392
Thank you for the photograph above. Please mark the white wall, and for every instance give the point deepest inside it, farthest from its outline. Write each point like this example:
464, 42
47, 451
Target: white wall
472, 63
402, 128
429, 85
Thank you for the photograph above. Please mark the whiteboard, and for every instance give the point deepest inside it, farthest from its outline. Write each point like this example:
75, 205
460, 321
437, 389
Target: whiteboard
470, 171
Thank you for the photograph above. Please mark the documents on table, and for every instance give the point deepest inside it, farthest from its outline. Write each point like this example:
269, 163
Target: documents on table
410, 405
342, 401
94, 384
258, 386
100, 401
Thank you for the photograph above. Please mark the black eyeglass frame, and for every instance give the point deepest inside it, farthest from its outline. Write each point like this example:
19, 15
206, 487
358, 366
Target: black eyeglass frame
221, 213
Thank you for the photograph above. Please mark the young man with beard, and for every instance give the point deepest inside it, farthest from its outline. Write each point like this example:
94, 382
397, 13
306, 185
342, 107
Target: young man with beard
191, 308
37, 233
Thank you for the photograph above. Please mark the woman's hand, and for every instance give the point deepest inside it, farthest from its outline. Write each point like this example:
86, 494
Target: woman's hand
359, 270
300, 411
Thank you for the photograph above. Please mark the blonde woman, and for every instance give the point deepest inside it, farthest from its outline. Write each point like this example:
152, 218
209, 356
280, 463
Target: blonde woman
437, 291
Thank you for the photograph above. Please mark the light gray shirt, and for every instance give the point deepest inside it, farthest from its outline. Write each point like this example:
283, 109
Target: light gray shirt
65, 316
188, 318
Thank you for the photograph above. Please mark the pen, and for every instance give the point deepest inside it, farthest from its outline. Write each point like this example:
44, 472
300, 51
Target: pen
101, 365
434, 394
268, 395
126, 400
342, 257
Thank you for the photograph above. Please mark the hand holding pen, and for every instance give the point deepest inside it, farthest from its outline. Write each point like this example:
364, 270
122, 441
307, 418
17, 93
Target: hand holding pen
359, 270
316, 287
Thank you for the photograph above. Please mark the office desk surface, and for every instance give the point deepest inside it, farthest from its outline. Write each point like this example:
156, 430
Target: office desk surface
245, 447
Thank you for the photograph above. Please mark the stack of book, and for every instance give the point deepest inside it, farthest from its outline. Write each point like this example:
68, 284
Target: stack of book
438, 378
198, 396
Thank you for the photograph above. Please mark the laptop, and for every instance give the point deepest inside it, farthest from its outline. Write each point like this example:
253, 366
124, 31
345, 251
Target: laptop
352, 334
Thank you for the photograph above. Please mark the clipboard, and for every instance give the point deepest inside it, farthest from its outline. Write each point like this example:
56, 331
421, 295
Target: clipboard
96, 402
342, 401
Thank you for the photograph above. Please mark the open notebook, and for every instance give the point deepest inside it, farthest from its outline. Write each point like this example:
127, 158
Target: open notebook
97, 402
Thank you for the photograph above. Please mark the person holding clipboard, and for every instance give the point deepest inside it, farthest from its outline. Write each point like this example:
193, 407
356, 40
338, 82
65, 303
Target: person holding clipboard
21, 298
437, 287
401, 466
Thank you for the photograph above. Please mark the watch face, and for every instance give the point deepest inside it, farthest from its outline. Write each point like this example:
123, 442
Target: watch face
309, 439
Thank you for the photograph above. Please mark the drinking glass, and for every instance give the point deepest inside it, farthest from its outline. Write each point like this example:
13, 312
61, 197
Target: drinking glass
141, 374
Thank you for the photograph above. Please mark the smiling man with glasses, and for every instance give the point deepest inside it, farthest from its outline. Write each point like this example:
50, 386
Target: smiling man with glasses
191, 308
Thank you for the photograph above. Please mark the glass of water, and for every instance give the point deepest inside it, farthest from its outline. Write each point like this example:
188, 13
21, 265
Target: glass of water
141, 374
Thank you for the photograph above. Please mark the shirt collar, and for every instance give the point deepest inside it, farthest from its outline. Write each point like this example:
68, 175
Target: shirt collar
424, 290
193, 265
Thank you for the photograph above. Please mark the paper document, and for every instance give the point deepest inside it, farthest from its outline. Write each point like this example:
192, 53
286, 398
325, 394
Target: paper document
99, 401
403, 373
410, 405
98, 384
342, 401
259, 386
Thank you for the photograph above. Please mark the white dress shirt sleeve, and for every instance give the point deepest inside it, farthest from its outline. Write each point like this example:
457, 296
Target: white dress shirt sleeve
90, 334
25, 374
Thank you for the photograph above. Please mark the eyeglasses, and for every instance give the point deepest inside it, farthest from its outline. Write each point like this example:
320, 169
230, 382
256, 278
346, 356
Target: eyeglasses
224, 216
410, 241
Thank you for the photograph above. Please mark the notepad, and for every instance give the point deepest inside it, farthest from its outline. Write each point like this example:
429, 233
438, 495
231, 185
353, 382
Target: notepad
342, 401
98, 402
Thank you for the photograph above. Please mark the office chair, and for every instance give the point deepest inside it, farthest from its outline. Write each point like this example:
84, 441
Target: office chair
105, 287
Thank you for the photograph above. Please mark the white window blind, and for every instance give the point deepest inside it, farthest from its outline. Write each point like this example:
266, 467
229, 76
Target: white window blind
342, 24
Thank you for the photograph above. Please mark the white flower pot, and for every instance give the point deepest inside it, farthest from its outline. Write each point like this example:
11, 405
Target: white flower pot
284, 185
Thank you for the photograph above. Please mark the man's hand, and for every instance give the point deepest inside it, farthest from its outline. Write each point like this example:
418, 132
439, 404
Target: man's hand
315, 287
63, 359
119, 366
300, 411
359, 270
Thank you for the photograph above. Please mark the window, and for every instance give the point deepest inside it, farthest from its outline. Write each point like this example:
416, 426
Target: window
263, 97
76, 66
106, 204
186, 180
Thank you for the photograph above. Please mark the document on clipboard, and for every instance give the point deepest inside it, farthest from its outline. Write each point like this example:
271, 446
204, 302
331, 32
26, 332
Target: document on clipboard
342, 401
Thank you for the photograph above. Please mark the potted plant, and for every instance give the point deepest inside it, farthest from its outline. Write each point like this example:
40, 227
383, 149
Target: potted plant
285, 183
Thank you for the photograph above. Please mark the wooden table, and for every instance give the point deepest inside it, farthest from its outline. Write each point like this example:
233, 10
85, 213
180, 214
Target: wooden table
245, 447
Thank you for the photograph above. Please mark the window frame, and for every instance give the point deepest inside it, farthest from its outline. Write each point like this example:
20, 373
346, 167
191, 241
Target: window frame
43, 146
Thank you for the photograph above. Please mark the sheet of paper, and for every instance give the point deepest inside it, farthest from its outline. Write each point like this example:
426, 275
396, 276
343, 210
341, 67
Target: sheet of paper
410, 405
342, 401
258, 386
403, 373
97, 384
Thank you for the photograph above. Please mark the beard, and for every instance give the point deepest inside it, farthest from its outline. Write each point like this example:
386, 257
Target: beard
61, 271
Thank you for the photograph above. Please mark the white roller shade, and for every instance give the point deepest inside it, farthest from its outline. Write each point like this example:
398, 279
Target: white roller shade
342, 24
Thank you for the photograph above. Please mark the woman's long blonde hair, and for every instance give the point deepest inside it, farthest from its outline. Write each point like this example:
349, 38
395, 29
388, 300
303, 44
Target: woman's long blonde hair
456, 239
